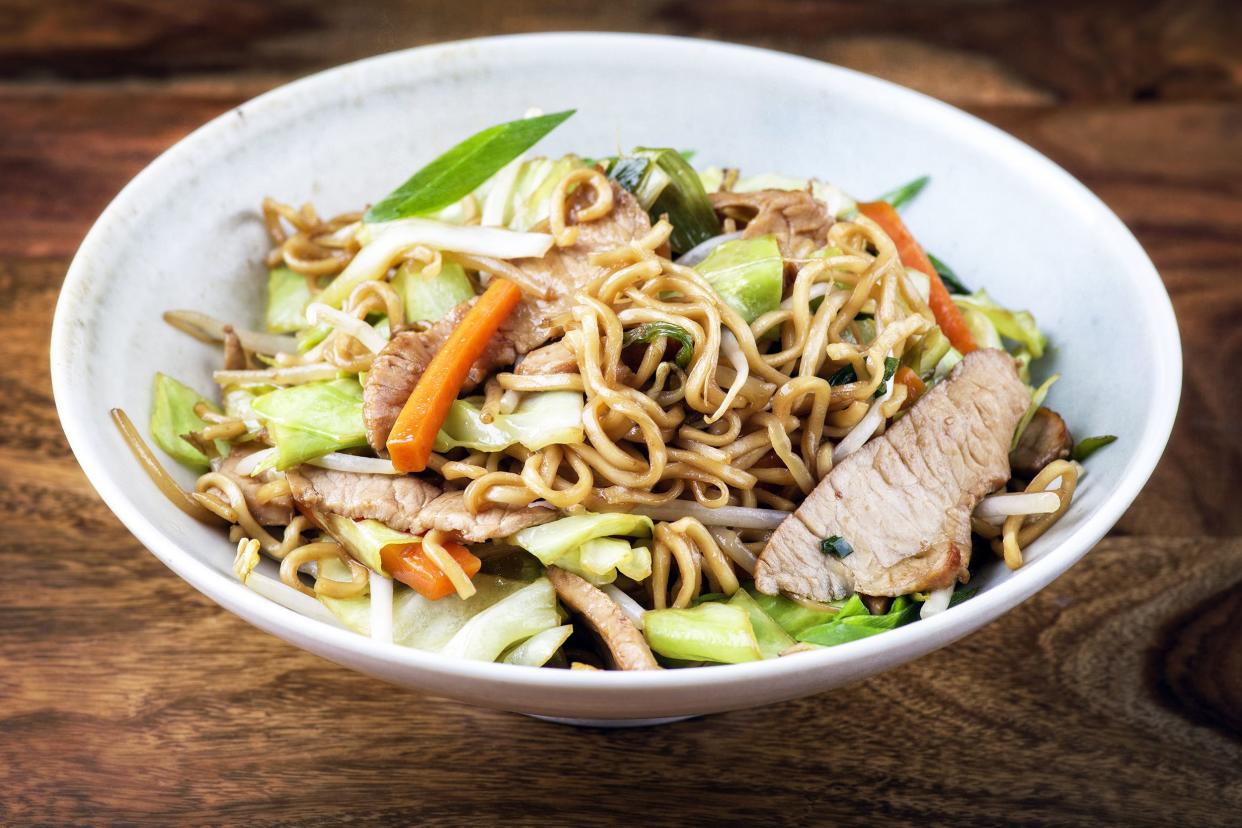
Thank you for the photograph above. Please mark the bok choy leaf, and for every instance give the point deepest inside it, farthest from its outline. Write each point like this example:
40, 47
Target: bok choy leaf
459, 171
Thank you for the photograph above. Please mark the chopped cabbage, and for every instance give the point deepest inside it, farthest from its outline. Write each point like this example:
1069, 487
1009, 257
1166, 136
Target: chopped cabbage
532, 190
1037, 399
541, 419
772, 639
539, 648
550, 542
854, 622
927, 354
600, 559
530, 610
288, 294
708, 632
172, 415
307, 421
366, 539
429, 298
748, 274
418, 622
793, 618
1018, 326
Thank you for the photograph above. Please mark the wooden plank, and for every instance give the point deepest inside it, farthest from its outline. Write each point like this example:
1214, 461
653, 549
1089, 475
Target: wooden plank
1110, 698
1110, 50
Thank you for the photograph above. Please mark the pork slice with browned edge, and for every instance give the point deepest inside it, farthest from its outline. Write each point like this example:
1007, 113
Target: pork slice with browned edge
408, 504
903, 501
627, 648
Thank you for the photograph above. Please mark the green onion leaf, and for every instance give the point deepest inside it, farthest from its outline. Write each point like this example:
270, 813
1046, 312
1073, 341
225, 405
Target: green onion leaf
1090, 445
847, 375
844, 376
457, 172
905, 193
836, 545
963, 595
667, 184
890, 368
651, 331
948, 276
629, 172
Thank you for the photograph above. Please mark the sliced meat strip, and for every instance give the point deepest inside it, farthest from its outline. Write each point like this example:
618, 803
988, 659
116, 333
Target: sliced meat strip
903, 501
1045, 439
799, 221
560, 273
626, 645
554, 358
392, 500
407, 504
277, 512
448, 513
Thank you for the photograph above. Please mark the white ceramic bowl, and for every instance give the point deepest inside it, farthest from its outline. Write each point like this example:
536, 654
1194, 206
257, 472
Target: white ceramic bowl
184, 234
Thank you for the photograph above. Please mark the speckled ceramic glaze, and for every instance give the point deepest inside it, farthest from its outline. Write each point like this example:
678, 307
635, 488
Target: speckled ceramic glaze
185, 234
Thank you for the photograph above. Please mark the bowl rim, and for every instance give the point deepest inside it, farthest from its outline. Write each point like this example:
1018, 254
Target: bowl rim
74, 406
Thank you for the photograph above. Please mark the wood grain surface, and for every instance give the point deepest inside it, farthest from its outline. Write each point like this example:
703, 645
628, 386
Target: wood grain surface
1112, 697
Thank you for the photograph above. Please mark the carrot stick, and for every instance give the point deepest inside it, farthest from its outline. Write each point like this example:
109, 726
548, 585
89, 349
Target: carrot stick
947, 315
411, 566
414, 434
913, 383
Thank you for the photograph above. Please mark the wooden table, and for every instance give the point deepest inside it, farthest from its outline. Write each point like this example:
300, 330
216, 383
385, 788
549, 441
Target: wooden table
1114, 696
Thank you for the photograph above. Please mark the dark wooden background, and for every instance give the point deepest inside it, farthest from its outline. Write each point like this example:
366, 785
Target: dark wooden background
1114, 697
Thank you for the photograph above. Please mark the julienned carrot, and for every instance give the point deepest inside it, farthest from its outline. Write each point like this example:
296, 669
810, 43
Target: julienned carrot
411, 566
914, 385
414, 434
948, 317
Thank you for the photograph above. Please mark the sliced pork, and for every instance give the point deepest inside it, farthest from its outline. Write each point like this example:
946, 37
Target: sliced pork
276, 512
903, 501
553, 358
1046, 438
560, 273
407, 504
625, 644
798, 221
